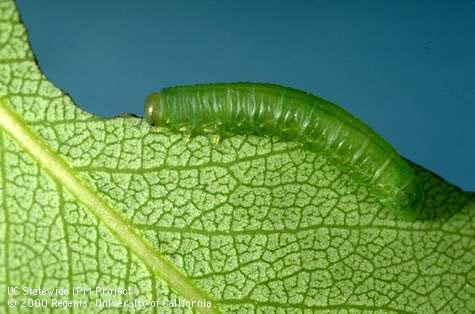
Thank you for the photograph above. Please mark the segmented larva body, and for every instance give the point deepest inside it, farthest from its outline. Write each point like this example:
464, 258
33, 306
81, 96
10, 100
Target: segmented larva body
290, 114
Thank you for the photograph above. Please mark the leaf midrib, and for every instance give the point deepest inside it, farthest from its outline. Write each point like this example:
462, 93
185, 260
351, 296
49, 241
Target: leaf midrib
40, 151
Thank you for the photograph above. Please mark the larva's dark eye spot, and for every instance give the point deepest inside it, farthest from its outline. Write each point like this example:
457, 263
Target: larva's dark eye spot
273, 110
151, 108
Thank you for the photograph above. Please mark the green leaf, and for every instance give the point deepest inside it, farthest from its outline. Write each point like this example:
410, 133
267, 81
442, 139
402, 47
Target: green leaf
251, 224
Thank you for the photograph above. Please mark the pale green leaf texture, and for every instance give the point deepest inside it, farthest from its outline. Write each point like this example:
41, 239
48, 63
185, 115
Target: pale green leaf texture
252, 223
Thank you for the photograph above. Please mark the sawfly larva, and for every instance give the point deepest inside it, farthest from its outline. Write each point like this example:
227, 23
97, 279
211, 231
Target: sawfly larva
292, 115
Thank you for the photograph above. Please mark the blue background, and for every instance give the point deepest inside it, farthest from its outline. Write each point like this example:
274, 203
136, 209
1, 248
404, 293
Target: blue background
406, 69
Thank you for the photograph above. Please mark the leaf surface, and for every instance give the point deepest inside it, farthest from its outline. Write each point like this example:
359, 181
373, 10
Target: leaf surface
252, 224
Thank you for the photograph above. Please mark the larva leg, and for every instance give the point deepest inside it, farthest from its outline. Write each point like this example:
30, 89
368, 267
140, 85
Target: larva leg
216, 140
186, 137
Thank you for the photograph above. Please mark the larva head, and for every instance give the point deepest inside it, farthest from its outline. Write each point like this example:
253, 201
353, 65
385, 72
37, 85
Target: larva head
409, 201
151, 108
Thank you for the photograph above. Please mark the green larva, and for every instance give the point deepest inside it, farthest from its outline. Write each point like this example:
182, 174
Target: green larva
290, 114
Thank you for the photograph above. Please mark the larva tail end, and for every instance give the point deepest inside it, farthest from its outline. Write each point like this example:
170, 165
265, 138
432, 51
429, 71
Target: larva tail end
151, 107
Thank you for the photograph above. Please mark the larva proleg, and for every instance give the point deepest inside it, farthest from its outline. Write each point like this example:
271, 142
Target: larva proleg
268, 109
